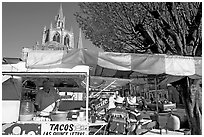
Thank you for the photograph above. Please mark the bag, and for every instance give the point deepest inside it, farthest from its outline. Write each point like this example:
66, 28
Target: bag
118, 122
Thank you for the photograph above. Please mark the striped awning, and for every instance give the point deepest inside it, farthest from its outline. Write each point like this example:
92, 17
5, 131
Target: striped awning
122, 65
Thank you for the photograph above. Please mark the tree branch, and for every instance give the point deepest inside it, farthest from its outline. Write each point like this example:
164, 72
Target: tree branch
195, 25
168, 47
128, 19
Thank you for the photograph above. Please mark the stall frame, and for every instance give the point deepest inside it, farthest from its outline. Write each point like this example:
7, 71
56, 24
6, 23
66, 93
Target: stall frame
59, 72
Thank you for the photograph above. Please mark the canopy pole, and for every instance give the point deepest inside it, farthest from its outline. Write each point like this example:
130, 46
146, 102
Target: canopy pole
157, 104
97, 94
155, 84
87, 98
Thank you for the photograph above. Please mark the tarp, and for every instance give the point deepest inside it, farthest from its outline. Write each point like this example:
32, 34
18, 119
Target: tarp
169, 79
21, 69
5, 78
121, 65
11, 89
106, 83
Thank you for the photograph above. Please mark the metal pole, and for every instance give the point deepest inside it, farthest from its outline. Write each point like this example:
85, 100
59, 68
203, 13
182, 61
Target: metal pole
87, 97
155, 84
157, 105
97, 94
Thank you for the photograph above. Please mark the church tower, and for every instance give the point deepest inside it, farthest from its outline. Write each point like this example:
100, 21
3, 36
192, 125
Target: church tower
57, 37
59, 19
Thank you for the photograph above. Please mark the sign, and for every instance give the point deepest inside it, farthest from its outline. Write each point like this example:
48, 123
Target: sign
21, 129
101, 104
64, 128
50, 128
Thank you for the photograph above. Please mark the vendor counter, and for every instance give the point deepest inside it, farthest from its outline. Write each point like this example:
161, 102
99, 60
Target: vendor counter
46, 128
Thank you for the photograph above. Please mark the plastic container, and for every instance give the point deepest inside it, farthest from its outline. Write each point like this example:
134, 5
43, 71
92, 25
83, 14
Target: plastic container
82, 115
27, 117
173, 123
73, 114
26, 107
59, 116
26, 110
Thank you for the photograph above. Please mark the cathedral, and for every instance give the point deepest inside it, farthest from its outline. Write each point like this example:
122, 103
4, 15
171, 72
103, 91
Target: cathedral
56, 37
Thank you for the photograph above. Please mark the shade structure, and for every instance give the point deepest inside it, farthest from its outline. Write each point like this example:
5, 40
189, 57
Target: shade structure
120, 65
106, 83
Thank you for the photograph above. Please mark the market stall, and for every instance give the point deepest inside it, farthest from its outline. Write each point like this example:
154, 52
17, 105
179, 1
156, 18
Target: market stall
20, 116
105, 64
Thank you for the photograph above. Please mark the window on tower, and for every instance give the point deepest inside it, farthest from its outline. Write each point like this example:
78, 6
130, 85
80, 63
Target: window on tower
47, 36
58, 24
66, 40
62, 24
56, 37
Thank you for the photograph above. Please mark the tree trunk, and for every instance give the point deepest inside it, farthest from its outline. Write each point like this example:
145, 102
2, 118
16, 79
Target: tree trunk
191, 90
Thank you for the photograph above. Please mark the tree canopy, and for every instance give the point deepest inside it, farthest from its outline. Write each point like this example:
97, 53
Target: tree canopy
143, 27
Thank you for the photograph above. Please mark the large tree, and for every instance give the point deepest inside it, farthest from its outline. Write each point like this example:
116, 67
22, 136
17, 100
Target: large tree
164, 27
148, 27
191, 91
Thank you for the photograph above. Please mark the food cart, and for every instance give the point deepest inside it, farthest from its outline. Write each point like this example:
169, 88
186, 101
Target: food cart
72, 84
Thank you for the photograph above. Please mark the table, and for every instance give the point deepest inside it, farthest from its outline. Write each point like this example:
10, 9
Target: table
98, 123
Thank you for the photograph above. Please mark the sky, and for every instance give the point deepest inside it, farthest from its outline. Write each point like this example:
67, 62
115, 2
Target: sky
23, 23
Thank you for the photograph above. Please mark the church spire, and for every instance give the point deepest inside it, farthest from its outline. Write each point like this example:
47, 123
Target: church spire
57, 37
60, 12
59, 19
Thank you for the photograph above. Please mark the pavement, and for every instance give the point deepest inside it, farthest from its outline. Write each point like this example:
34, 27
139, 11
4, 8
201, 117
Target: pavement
157, 132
